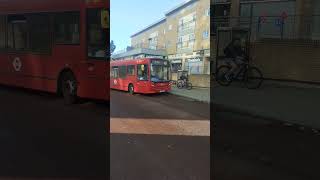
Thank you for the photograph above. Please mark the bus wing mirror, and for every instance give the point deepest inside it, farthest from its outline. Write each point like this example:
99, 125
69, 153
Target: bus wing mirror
105, 19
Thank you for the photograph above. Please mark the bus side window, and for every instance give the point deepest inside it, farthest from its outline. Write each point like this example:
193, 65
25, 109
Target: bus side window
131, 70
114, 72
3, 32
17, 32
142, 72
123, 72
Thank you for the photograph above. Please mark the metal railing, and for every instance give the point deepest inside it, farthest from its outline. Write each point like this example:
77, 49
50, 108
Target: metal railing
155, 46
295, 27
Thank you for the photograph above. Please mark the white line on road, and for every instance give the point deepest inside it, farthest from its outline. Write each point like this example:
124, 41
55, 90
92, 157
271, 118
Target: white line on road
160, 126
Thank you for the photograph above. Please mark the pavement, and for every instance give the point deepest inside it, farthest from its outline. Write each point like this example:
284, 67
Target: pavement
292, 103
197, 94
298, 105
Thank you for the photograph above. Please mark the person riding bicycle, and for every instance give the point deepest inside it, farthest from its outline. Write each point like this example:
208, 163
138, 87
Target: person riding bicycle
183, 77
237, 55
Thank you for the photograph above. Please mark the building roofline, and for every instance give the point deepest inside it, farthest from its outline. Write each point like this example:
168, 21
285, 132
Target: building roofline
138, 51
149, 27
180, 6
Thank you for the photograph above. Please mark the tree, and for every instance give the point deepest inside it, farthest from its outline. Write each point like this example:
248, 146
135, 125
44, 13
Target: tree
112, 47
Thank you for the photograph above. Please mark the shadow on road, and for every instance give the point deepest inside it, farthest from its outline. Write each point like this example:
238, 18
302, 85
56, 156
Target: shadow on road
42, 137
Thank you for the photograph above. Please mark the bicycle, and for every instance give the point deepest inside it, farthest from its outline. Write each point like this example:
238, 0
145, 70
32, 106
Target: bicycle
250, 75
173, 83
184, 84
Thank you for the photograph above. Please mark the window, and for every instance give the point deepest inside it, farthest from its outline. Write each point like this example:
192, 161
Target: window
17, 33
195, 67
142, 72
123, 71
66, 28
3, 27
115, 72
175, 67
97, 35
205, 34
207, 12
131, 70
191, 37
39, 33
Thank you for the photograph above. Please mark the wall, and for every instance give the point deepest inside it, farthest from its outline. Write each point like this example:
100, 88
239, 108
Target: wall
294, 60
143, 37
200, 80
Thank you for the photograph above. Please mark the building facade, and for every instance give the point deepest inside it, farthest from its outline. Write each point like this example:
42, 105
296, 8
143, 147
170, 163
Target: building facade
184, 33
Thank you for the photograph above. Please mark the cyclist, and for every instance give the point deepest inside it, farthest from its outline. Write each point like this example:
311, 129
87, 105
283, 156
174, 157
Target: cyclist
237, 55
183, 77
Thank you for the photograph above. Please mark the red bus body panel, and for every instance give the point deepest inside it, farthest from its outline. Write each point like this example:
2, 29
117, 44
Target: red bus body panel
41, 71
143, 87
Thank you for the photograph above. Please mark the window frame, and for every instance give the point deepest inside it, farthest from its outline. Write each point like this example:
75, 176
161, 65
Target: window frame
54, 34
87, 38
14, 50
5, 48
51, 34
147, 65
113, 70
134, 70
122, 69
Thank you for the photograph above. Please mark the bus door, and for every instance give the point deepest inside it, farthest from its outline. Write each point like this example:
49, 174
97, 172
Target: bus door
97, 64
142, 77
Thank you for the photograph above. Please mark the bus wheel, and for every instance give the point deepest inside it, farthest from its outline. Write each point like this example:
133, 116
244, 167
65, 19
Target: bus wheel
131, 89
69, 88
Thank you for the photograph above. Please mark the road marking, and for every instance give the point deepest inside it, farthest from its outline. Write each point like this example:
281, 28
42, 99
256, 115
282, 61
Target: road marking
160, 127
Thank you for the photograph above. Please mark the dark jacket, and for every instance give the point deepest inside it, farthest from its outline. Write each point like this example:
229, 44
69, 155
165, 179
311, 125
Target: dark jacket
232, 51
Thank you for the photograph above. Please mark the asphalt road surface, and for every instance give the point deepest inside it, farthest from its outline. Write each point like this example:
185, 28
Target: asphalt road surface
159, 137
40, 137
248, 148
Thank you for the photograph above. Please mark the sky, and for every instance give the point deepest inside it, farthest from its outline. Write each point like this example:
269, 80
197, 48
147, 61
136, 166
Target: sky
130, 16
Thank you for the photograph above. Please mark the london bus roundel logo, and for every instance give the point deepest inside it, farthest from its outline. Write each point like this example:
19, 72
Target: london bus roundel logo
17, 64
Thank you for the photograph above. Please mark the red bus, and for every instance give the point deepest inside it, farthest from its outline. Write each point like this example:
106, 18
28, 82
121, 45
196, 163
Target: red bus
59, 46
145, 76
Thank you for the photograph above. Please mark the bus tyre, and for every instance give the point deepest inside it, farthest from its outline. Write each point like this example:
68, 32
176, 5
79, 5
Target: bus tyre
131, 89
69, 88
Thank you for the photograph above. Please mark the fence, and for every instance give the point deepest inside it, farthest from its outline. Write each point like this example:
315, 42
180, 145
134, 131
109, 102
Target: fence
295, 27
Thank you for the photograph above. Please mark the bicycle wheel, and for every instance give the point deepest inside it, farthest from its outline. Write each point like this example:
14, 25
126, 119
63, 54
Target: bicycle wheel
221, 75
253, 78
180, 85
189, 86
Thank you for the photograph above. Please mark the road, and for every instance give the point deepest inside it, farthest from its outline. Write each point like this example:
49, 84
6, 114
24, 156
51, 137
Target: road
41, 137
159, 137
249, 148
152, 137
